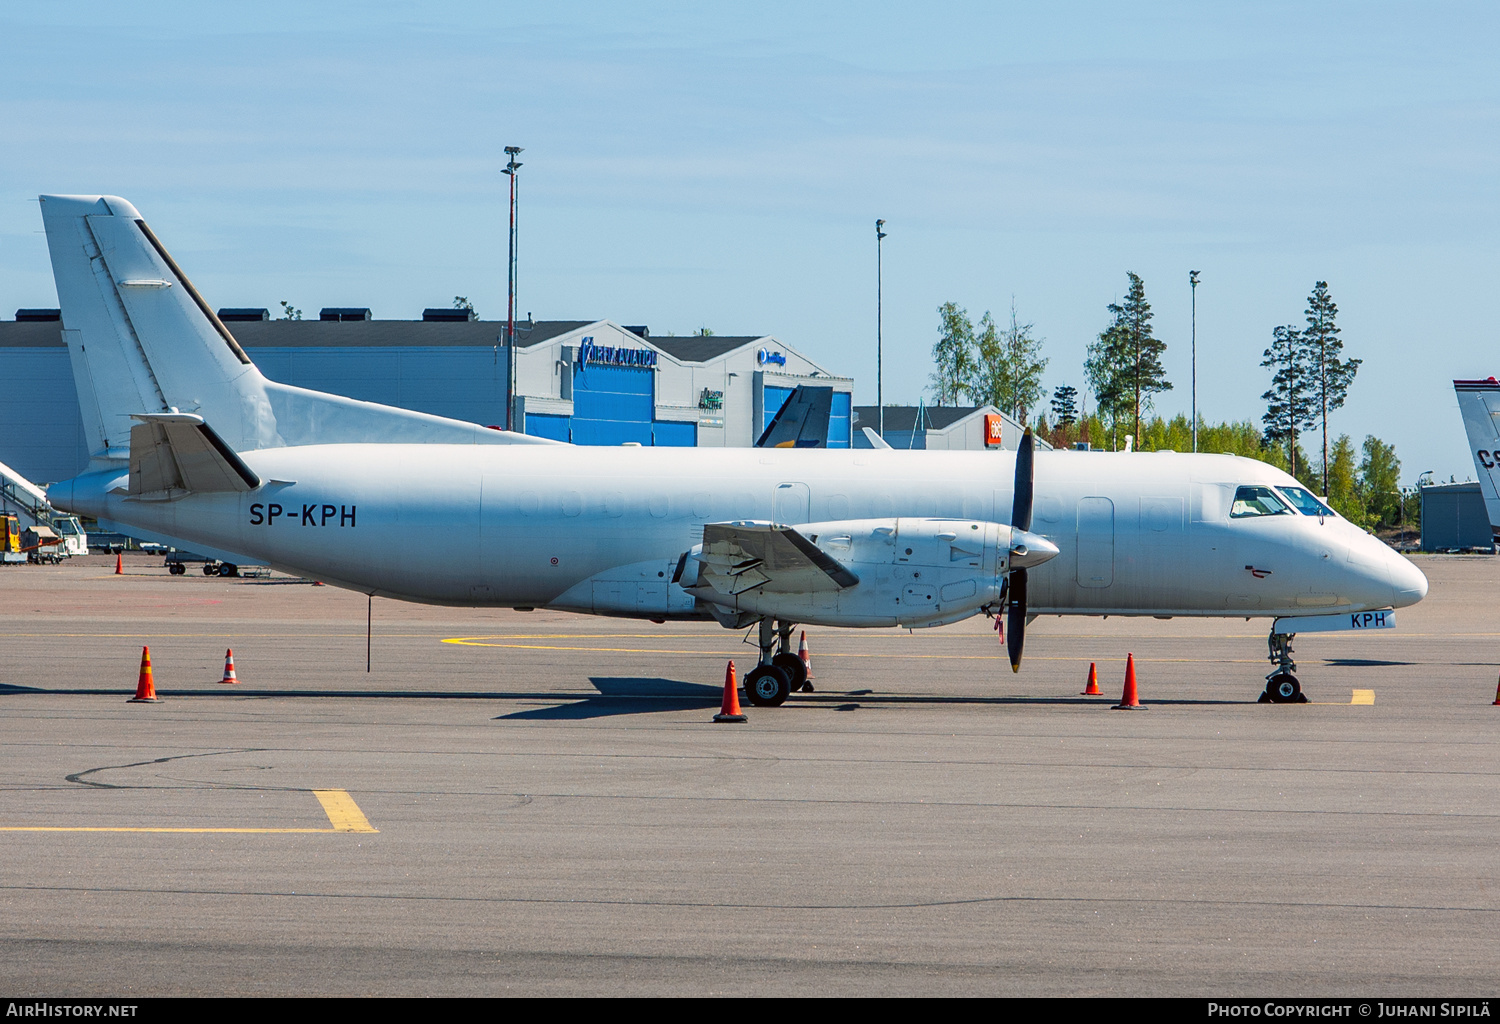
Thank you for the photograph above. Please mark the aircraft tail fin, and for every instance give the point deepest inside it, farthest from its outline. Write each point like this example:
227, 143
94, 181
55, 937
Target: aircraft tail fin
802, 420
143, 341
1479, 404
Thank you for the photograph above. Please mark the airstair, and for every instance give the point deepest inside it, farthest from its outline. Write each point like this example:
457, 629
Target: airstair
55, 534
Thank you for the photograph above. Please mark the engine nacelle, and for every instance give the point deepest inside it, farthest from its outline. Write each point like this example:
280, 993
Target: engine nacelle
910, 572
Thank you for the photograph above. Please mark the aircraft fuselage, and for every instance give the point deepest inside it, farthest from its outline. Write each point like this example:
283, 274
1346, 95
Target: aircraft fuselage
522, 526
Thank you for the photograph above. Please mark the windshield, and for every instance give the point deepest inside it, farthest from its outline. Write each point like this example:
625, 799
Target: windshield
1257, 501
1305, 502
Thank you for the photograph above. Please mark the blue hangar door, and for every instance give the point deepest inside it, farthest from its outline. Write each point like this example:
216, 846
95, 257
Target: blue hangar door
617, 404
613, 404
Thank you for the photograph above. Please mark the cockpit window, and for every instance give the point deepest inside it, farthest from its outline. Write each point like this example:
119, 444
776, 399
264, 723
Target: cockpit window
1257, 501
1305, 502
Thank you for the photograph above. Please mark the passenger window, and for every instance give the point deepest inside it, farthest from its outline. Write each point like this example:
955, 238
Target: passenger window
1305, 502
1257, 501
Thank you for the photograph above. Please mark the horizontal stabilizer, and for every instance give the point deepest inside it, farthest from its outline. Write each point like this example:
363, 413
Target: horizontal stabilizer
737, 557
173, 454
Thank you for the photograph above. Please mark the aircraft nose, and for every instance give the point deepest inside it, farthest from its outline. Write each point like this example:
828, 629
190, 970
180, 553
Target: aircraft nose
1406, 579
1029, 549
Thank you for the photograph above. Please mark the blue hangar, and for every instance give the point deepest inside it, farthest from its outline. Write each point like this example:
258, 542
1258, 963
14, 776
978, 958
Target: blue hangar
586, 381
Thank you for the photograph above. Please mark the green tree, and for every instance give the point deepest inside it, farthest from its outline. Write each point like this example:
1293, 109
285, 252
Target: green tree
1380, 482
462, 302
1009, 371
1064, 405
953, 354
703, 332
1342, 474
1124, 366
288, 312
1291, 402
1332, 373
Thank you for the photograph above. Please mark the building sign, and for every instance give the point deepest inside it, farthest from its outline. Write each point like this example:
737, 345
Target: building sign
993, 429
765, 356
608, 355
711, 399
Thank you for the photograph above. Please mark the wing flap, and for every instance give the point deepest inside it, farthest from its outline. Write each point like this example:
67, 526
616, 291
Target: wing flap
742, 556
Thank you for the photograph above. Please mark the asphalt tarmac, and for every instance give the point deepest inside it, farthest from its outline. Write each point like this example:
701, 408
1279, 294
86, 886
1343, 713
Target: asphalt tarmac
540, 804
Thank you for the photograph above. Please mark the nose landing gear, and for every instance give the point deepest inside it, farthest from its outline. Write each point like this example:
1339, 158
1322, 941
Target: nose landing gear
1282, 686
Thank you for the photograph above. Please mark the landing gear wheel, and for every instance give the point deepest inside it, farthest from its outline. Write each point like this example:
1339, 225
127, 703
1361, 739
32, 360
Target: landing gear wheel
210, 569
767, 686
229, 569
178, 569
792, 667
1283, 688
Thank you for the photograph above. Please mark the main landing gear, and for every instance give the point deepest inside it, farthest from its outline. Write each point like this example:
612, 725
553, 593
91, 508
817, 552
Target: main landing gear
1281, 686
780, 672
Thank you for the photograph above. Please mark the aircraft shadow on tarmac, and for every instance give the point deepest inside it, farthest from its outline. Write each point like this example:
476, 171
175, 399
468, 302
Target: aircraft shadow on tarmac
1362, 662
644, 695
616, 695
628, 696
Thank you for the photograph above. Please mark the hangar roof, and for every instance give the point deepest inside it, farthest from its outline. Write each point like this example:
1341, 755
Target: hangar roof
31, 334
697, 348
394, 333
334, 334
903, 417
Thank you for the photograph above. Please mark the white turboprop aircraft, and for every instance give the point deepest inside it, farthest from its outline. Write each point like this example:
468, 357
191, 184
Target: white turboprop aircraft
192, 444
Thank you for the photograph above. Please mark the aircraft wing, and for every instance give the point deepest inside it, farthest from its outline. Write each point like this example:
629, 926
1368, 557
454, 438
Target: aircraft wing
173, 454
742, 556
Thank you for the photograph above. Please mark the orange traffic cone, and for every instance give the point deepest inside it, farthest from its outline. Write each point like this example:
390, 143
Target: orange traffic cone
806, 656
229, 676
145, 688
1497, 695
729, 711
1092, 689
119, 564
1129, 701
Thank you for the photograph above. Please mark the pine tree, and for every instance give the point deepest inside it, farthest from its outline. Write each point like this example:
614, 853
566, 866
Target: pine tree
954, 354
1291, 403
1102, 368
1065, 405
1333, 374
1124, 366
1009, 372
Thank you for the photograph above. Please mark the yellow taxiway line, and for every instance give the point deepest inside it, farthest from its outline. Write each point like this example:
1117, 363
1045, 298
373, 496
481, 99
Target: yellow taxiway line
343, 814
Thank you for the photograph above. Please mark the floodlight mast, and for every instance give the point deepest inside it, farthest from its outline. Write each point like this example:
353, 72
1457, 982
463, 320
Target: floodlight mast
1193, 281
879, 314
510, 295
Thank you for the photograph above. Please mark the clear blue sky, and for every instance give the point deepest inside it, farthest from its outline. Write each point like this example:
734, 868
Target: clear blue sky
722, 165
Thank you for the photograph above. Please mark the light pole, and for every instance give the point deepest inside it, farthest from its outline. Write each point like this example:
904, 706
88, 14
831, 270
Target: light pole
1193, 281
879, 374
510, 296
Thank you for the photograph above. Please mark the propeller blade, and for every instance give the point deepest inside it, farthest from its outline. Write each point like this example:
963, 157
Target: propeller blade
1020, 513
1015, 618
